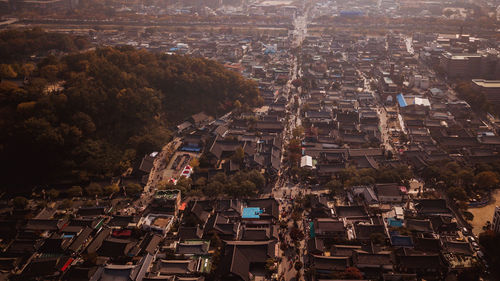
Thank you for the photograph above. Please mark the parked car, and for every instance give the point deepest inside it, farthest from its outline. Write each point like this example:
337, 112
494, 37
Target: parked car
465, 231
480, 254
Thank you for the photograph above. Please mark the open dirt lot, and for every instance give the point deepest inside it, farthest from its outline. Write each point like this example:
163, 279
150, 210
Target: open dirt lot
484, 214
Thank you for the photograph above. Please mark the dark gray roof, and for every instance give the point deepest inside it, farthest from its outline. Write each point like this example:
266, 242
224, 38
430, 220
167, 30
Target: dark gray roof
240, 255
255, 234
322, 225
190, 232
44, 224
330, 263
269, 205
119, 272
419, 225
388, 190
364, 231
120, 221
113, 247
176, 266
350, 211
98, 240
420, 262
91, 211
199, 248
80, 239
152, 244
147, 163
427, 244
458, 247
372, 260
432, 206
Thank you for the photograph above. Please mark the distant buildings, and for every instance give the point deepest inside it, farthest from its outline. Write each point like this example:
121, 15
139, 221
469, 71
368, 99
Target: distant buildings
48, 6
471, 65
490, 89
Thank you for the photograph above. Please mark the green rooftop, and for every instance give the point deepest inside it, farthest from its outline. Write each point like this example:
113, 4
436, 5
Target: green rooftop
167, 194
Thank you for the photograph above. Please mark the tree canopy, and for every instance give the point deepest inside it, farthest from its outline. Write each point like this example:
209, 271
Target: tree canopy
239, 185
17, 45
90, 115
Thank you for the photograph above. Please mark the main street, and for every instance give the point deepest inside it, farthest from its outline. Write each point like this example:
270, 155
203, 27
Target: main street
284, 191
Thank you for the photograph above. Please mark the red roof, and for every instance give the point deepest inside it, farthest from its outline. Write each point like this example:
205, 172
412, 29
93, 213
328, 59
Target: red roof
120, 233
183, 206
66, 265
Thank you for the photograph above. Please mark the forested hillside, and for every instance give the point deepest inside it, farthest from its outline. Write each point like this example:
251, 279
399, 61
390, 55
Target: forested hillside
93, 114
17, 45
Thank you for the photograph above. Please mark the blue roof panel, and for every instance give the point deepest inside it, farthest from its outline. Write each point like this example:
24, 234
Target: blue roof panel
394, 222
251, 213
401, 241
401, 100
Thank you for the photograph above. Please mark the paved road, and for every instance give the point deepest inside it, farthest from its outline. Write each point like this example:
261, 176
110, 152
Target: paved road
156, 174
381, 112
284, 191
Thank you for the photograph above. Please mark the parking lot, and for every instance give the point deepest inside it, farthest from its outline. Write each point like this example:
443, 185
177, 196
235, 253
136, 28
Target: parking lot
484, 214
177, 163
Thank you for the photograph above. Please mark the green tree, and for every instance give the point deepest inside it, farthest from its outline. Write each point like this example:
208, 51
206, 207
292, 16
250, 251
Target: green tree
194, 162
294, 152
20, 202
296, 234
53, 193
94, 189
335, 187
50, 72
239, 155
66, 204
403, 138
74, 191
185, 183
257, 178
110, 189
486, 180
466, 177
133, 189
247, 188
6, 71
27, 69
271, 266
237, 106
298, 265
457, 193
213, 189
200, 182
298, 132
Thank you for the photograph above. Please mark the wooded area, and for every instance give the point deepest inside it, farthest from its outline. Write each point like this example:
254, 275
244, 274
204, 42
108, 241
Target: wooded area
18, 45
92, 114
